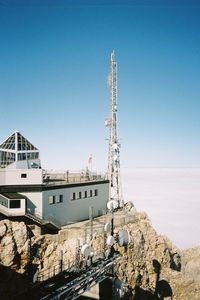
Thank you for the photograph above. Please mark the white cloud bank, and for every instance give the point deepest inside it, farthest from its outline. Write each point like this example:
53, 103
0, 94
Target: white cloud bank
171, 197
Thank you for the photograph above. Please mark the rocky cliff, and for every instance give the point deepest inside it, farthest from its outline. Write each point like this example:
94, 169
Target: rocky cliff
155, 269
151, 266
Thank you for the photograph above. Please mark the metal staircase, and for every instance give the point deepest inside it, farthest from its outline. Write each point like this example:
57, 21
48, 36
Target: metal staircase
70, 285
41, 221
31, 217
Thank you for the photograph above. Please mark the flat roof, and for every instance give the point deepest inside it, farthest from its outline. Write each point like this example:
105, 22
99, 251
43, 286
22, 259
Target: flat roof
13, 195
6, 189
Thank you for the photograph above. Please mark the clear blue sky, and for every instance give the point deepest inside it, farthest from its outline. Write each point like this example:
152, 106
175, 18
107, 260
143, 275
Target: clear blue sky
54, 64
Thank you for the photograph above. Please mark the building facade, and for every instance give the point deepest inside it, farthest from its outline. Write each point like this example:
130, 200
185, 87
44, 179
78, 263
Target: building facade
46, 198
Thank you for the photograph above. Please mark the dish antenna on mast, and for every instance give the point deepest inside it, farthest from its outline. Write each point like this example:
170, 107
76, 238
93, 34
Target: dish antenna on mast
114, 175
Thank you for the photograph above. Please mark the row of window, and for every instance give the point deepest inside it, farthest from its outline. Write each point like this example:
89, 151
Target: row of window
84, 194
55, 199
7, 158
74, 196
27, 156
13, 203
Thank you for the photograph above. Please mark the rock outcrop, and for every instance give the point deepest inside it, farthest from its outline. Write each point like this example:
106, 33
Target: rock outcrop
151, 266
155, 269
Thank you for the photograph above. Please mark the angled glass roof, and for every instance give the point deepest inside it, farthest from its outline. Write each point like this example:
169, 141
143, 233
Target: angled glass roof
9, 143
17, 148
17, 142
24, 144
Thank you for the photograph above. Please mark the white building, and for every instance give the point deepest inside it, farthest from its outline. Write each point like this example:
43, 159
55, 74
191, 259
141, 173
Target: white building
30, 193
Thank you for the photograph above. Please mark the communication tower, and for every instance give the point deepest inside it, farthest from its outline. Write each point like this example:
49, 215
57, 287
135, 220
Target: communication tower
114, 175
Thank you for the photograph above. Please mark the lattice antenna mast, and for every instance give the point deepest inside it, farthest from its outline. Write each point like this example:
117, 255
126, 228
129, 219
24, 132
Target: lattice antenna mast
114, 145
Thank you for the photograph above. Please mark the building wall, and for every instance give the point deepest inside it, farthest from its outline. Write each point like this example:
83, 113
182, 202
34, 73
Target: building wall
2, 177
22, 176
34, 203
69, 210
8, 209
18, 211
23, 164
60, 204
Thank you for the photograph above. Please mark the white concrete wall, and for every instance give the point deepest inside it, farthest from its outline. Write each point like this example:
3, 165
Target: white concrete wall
2, 177
75, 210
13, 211
18, 211
13, 176
34, 203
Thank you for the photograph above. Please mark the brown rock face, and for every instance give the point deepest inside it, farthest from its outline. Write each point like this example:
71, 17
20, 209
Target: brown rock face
154, 268
151, 266
14, 257
148, 258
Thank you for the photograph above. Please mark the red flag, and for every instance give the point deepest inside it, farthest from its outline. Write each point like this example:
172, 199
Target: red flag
90, 159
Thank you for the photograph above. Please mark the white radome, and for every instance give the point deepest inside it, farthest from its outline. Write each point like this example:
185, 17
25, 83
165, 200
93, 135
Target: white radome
110, 240
107, 227
123, 237
112, 204
86, 250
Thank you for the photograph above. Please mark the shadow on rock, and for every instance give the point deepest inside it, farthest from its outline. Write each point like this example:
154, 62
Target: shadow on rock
11, 283
162, 290
175, 263
105, 289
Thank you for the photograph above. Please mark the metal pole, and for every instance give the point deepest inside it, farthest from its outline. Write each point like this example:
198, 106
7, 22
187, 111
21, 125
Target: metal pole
61, 261
91, 227
91, 222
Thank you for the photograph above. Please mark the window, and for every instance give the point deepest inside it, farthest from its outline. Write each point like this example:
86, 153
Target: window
22, 156
15, 203
51, 200
4, 202
25, 155
91, 193
6, 158
96, 192
86, 194
80, 195
57, 198
23, 175
73, 196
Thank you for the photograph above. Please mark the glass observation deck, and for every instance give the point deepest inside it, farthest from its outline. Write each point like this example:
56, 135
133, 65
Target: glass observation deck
17, 148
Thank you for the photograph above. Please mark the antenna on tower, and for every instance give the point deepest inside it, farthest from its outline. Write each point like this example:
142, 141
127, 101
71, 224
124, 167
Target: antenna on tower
114, 175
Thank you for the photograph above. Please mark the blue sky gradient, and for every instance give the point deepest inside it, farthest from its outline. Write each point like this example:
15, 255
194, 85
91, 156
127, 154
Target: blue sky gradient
54, 64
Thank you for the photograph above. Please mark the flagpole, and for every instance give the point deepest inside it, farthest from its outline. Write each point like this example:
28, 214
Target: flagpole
90, 164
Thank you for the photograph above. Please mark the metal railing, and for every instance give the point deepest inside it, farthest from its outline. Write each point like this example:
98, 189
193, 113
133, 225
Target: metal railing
54, 270
71, 177
64, 265
84, 281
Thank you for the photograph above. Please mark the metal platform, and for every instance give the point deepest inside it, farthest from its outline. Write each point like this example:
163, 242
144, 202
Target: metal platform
71, 285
